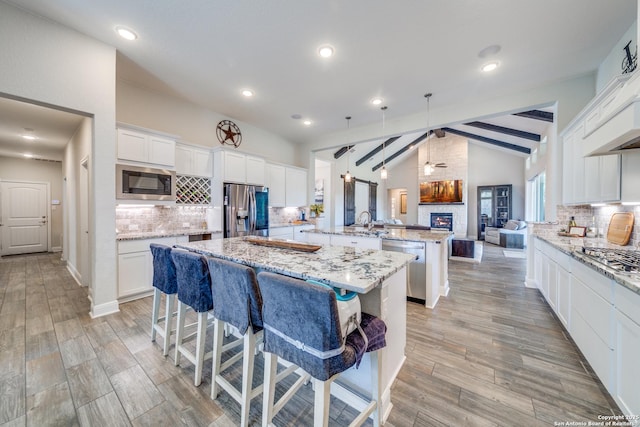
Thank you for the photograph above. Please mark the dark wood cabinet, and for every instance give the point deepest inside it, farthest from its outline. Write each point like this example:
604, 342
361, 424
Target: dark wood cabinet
494, 206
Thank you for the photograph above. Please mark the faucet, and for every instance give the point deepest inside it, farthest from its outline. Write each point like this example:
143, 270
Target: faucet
368, 222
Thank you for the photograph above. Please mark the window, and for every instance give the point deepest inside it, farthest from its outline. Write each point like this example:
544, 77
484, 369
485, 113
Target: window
537, 196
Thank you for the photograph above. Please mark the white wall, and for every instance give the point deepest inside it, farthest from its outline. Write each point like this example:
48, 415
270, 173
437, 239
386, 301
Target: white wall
404, 174
45, 62
78, 148
194, 124
13, 168
488, 166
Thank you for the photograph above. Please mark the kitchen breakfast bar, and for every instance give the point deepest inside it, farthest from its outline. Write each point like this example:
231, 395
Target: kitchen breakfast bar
379, 277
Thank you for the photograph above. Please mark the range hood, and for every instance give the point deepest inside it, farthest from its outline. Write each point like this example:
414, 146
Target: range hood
612, 118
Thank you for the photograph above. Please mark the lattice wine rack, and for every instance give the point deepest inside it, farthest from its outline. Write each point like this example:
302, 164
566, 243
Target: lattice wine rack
193, 190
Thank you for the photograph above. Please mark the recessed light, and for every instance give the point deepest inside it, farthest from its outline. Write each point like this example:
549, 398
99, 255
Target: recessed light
29, 137
296, 116
28, 155
326, 51
490, 66
248, 93
307, 122
126, 33
376, 101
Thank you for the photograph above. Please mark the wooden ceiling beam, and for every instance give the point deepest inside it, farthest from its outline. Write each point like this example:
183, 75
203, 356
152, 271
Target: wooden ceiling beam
376, 150
545, 116
504, 130
404, 149
342, 151
491, 141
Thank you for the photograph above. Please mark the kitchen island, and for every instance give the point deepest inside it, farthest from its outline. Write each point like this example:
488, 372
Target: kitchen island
428, 274
378, 276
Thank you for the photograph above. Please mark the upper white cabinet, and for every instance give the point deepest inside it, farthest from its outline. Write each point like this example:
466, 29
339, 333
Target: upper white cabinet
255, 170
287, 186
239, 168
587, 179
631, 177
276, 178
193, 161
296, 187
137, 146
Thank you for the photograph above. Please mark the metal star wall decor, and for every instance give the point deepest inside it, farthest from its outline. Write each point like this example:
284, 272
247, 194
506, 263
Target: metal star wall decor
228, 133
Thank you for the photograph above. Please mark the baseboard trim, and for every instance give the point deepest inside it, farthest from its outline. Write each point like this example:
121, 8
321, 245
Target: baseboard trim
75, 274
56, 249
104, 309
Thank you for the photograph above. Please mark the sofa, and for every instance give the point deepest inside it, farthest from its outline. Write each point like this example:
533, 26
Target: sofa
512, 235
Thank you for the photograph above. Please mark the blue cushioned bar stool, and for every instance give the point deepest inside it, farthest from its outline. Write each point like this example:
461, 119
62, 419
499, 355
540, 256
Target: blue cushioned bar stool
302, 326
194, 290
164, 282
238, 304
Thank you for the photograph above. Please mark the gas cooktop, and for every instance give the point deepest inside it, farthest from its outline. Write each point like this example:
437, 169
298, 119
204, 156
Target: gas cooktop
620, 260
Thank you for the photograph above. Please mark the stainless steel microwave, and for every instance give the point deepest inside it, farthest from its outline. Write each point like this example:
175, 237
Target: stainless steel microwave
137, 183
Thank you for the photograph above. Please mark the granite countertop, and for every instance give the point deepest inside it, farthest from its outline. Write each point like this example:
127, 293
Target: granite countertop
139, 235
358, 270
572, 246
390, 234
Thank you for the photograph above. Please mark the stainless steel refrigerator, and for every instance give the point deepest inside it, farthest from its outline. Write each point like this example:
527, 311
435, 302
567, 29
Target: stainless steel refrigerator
246, 210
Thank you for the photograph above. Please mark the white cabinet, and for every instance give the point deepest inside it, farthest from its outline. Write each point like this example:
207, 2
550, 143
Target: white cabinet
287, 186
135, 266
281, 232
318, 238
299, 235
143, 147
587, 179
193, 161
276, 178
356, 241
295, 187
631, 177
239, 168
563, 306
255, 170
592, 319
627, 345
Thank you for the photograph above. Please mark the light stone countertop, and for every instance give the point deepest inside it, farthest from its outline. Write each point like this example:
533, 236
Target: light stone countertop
390, 234
572, 246
140, 235
353, 269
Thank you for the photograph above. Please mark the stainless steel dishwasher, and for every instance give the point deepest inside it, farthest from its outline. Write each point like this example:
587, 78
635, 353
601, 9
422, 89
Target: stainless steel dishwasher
417, 278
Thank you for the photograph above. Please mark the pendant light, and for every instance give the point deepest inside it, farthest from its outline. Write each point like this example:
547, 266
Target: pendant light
383, 172
347, 176
428, 166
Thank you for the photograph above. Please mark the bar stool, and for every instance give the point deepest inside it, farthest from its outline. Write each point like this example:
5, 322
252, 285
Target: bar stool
302, 326
237, 304
164, 282
194, 290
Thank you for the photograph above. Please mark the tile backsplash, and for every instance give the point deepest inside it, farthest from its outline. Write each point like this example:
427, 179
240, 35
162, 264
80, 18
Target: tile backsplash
586, 215
160, 218
285, 215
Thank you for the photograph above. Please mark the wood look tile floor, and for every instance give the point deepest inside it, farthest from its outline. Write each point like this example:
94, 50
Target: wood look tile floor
491, 353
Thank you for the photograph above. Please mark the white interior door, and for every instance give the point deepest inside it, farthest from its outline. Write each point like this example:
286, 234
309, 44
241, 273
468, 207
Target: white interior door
24, 217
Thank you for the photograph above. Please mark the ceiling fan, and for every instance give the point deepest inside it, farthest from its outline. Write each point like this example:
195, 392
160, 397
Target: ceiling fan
430, 167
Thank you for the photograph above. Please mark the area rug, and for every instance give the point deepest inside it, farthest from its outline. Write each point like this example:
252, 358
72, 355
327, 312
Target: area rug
477, 254
514, 254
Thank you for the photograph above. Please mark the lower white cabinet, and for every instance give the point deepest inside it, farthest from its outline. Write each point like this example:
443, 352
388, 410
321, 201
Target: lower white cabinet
135, 266
627, 355
281, 232
318, 238
563, 306
356, 242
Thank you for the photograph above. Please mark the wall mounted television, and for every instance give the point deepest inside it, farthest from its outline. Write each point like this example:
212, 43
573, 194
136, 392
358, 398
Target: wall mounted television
441, 192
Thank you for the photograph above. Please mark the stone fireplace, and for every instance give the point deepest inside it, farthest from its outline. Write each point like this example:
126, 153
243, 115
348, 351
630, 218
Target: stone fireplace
452, 150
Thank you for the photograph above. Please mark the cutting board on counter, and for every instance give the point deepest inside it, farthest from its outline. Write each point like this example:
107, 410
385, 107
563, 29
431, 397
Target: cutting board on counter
620, 228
